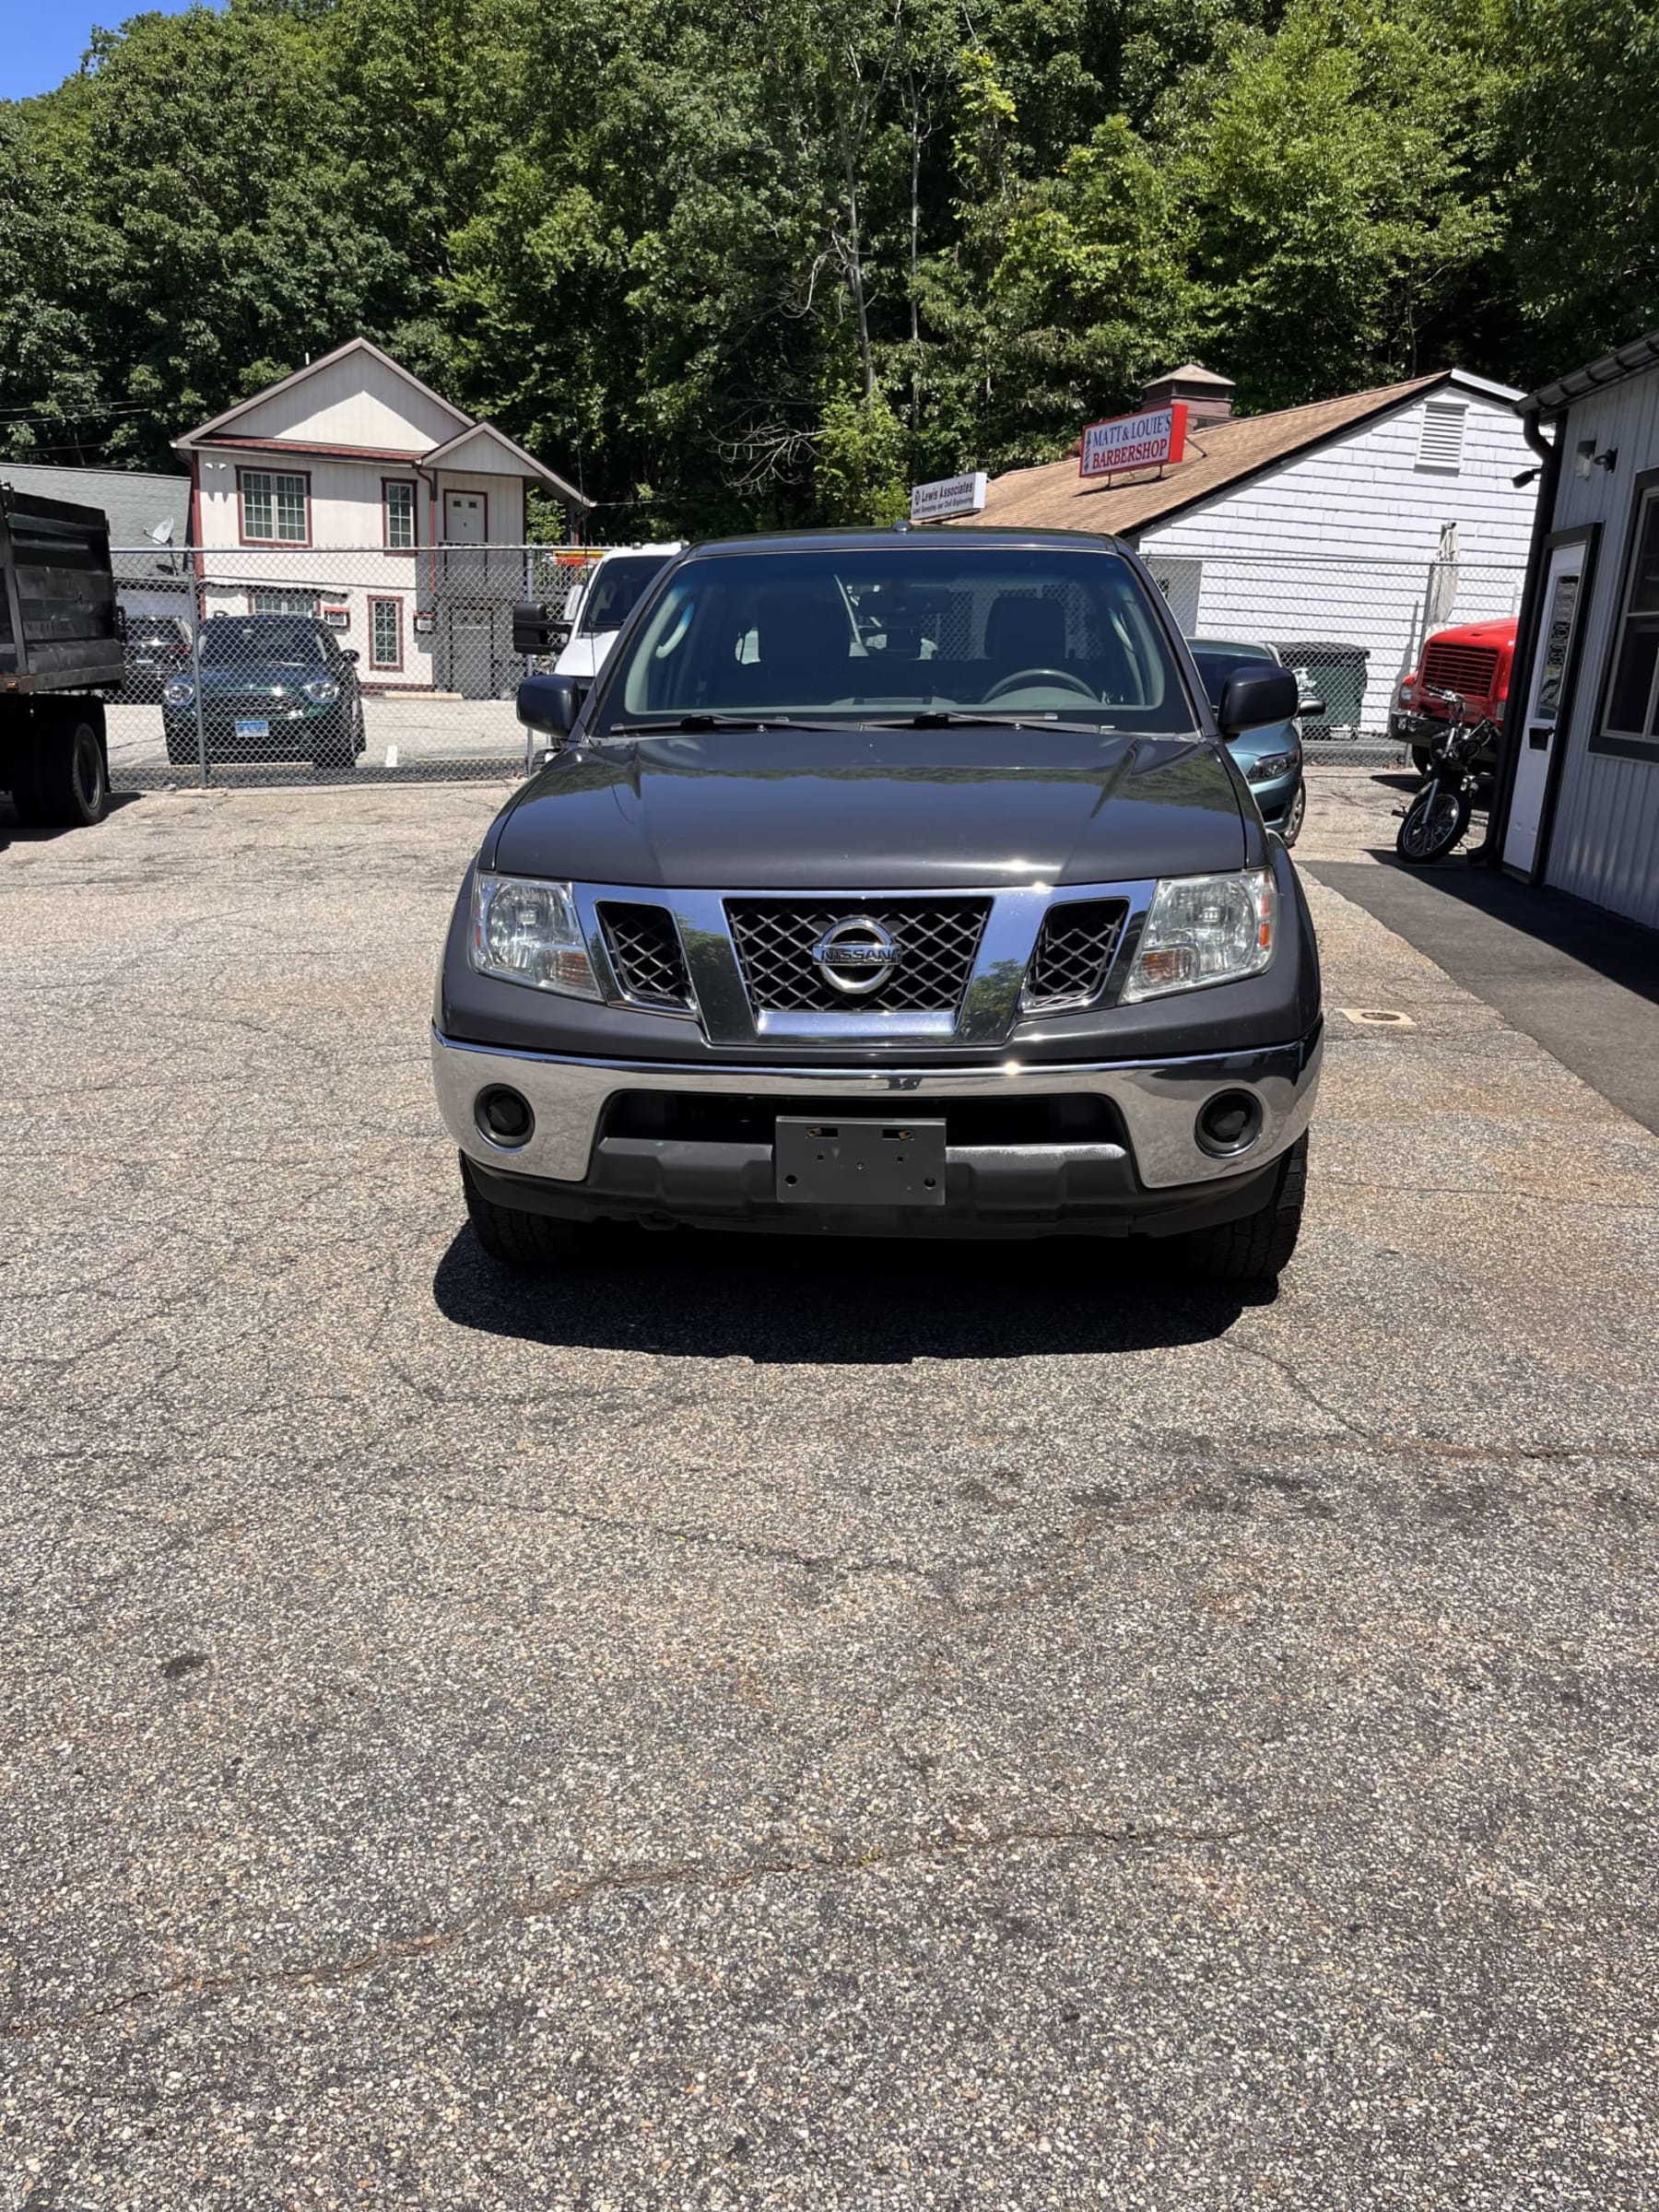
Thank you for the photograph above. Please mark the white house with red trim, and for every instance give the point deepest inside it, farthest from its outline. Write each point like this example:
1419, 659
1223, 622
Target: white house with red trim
352, 490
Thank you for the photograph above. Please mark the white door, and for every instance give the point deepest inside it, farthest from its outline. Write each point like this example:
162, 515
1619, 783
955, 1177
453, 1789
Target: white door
1563, 592
464, 518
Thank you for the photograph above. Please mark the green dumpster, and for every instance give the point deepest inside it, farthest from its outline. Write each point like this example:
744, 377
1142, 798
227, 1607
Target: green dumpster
1335, 673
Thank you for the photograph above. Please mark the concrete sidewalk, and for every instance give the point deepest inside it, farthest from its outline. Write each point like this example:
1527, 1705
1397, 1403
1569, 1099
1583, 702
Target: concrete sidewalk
1584, 982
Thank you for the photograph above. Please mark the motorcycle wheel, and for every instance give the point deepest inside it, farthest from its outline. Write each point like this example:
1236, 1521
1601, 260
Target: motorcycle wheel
1436, 818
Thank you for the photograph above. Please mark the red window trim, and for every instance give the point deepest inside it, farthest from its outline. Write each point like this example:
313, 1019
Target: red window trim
400, 552
387, 599
464, 491
295, 545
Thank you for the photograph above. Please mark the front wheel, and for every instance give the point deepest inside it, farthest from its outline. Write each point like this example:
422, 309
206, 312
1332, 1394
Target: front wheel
336, 751
528, 1244
1295, 814
68, 785
1257, 1248
1436, 818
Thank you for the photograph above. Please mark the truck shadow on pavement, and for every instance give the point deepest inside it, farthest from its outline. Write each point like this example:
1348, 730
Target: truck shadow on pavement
796, 1301
14, 831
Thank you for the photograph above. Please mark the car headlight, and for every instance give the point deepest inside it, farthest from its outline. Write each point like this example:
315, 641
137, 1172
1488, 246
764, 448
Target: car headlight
178, 692
321, 691
527, 932
1270, 765
1205, 929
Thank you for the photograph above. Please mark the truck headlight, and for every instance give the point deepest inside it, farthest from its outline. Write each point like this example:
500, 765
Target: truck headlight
1269, 767
528, 932
1205, 929
178, 692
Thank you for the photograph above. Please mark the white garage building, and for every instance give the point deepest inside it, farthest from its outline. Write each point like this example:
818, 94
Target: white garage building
1362, 522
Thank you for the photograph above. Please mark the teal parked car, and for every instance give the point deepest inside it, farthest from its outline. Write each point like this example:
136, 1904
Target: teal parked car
1271, 757
274, 688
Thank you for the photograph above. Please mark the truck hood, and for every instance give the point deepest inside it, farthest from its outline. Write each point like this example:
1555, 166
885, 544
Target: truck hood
874, 809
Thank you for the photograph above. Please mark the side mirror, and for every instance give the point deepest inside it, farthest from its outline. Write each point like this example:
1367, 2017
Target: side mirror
349, 653
536, 631
1256, 692
1310, 706
551, 703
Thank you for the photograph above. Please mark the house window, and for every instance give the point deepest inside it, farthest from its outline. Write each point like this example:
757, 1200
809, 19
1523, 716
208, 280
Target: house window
386, 633
282, 603
1441, 445
1631, 713
275, 508
400, 517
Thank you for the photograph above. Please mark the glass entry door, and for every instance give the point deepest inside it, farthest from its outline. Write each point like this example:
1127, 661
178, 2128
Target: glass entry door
1542, 734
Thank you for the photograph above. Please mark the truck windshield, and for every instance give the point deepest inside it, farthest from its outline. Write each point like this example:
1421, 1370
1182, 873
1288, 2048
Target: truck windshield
617, 592
869, 634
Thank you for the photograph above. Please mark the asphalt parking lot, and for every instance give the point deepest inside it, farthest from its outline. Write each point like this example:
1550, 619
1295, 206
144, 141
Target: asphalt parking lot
760, 1726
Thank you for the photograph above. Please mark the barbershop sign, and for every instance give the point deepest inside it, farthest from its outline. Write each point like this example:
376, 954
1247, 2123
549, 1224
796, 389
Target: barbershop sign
1144, 440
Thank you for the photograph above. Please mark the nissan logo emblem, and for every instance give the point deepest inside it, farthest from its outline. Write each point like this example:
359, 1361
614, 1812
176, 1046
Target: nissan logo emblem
856, 957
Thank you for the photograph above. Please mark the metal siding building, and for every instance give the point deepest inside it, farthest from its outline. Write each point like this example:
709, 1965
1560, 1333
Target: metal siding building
1597, 833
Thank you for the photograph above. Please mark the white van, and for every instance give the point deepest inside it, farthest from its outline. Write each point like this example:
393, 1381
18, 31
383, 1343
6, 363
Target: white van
598, 607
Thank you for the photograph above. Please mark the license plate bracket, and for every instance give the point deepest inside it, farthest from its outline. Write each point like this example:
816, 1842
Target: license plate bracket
836, 1162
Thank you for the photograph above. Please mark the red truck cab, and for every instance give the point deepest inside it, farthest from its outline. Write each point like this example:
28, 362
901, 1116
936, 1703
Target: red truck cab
1472, 659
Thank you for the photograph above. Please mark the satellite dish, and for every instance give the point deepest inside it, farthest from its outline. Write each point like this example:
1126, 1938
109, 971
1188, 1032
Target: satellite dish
162, 532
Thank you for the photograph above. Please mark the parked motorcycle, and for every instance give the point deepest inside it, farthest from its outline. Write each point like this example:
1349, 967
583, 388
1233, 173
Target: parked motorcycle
1439, 815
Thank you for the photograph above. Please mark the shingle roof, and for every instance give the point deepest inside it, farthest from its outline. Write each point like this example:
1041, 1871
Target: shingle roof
1054, 496
136, 502
1194, 372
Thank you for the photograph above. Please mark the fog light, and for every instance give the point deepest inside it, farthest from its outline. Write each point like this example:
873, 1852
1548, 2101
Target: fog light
503, 1117
1230, 1123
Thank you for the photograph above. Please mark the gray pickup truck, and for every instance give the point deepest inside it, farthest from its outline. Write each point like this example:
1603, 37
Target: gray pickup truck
61, 640
894, 884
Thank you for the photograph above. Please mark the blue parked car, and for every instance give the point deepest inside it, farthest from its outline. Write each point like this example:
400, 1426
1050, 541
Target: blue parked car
1272, 757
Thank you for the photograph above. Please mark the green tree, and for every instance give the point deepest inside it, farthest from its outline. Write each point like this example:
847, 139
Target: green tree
860, 464
1335, 208
1580, 132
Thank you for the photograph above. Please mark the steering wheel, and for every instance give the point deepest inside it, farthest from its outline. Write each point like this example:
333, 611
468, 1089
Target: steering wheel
1021, 677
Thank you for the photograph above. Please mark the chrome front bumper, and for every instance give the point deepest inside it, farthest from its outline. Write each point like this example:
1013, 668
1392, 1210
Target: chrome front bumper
1158, 1102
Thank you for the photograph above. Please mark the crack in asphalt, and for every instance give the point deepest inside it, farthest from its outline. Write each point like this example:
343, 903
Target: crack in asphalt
544, 1904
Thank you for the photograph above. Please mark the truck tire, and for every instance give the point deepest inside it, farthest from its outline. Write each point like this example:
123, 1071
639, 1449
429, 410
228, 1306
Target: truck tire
66, 786
1255, 1249
528, 1244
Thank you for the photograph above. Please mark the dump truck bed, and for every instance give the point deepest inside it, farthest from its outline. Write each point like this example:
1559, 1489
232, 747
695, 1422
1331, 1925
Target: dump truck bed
59, 627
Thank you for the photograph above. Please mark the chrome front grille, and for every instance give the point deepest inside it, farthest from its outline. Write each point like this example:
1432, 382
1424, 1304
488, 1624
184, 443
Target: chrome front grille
935, 941
644, 949
1073, 954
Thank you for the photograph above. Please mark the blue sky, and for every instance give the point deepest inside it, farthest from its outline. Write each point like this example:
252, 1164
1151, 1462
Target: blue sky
43, 41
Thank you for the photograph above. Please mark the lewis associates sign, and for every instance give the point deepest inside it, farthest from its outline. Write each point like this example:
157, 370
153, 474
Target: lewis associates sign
1144, 440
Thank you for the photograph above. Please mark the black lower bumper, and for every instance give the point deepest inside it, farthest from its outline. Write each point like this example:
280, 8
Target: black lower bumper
731, 1186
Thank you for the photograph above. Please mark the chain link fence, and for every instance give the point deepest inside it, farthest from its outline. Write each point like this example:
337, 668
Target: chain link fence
1353, 630
265, 664
281, 664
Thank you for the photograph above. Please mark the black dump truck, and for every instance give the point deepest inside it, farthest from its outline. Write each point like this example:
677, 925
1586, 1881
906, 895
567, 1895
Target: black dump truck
61, 643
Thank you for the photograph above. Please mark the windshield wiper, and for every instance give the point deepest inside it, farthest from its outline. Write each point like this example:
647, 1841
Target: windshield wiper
671, 726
